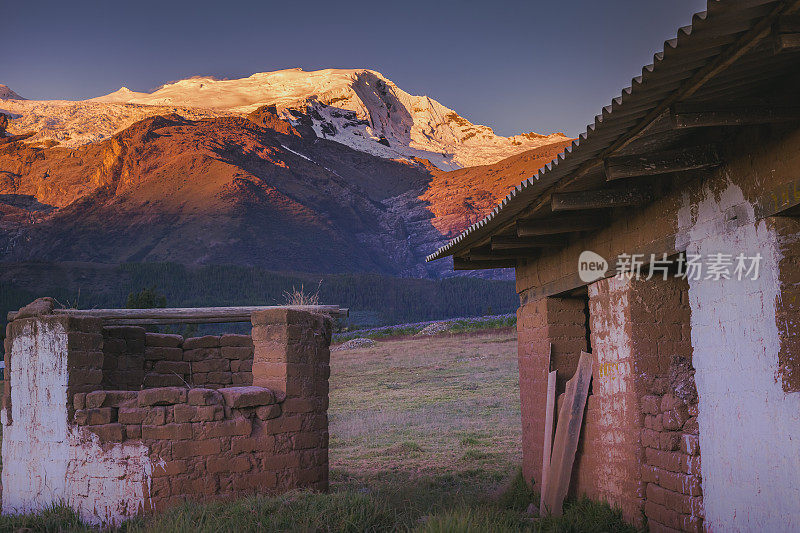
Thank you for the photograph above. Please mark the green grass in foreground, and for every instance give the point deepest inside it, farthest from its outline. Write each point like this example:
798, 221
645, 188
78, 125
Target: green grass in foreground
340, 512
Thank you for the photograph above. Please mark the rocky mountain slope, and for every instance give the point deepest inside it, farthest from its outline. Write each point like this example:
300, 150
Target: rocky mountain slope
359, 108
253, 190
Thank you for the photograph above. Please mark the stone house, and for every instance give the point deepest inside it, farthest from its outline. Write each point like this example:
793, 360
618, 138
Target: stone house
666, 242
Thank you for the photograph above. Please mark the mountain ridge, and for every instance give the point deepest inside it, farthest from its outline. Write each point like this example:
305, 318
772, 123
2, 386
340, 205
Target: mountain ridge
360, 108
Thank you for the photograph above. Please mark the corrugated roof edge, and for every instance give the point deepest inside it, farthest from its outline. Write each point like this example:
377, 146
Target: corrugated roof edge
573, 155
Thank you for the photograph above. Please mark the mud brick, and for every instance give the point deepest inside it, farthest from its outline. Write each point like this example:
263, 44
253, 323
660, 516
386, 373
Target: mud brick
153, 380
199, 380
241, 366
154, 416
284, 424
669, 441
184, 413
262, 443
662, 515
201, 354
163, 339
79, 400
690, 426
306, 476
675, 418
110, 398
167, 431
200, 396
317, 422
85, 359
172, 367
693, 524
223, 428
304, 441
669, 402
211, 365
89, 342
239, 397
660, 386
650, 438
207, 485
268, 412
208, 413
230, 339
195, 448
221, 378
169, 468
133, 431
108, 432
298, 405
241, 353
96, 416
690, 465
163, 353
115, 346
649, 474
671, 461
650, 405
690, 444
162, 396
653, 422
207, 341
242, 378
224, 464
256, 481
655, 527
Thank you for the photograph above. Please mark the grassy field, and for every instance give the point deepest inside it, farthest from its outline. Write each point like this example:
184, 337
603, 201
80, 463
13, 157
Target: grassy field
425, 436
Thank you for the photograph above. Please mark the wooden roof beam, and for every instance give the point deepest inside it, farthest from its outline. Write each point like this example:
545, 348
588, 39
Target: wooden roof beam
601, 199
462, 263
685, 116
650, 164
560, 224
513, 242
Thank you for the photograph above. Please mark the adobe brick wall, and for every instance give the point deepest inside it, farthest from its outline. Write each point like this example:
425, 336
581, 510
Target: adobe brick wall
744, 340
135, 359
112, 454
562, 323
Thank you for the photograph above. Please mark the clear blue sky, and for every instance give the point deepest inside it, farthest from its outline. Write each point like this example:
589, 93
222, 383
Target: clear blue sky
513, 65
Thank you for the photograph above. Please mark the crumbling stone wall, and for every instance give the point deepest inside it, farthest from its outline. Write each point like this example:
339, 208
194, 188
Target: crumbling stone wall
112, 454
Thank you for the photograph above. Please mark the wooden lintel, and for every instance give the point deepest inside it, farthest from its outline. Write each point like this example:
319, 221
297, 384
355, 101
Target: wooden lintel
485, 253
685, 116
600, 199
560, 224
661, 162
787, 42
513, 242
461, 263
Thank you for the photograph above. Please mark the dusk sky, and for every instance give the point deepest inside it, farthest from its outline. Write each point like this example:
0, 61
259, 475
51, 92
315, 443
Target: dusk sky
516, 66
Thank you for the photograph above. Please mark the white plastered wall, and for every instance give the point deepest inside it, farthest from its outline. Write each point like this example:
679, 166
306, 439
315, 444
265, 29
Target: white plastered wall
45, 459
749, 428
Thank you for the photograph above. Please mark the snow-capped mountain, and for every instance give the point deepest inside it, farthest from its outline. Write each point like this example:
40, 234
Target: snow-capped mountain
359, 108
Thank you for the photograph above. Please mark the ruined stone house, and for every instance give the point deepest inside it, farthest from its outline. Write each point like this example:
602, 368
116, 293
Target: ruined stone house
687, 186
115, 421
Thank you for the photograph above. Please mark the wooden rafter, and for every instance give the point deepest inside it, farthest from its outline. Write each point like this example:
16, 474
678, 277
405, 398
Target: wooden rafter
560, 224
662, 162
513, 242
601, 199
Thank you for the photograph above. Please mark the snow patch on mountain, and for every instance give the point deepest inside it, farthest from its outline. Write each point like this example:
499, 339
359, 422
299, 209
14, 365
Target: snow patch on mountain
359, 108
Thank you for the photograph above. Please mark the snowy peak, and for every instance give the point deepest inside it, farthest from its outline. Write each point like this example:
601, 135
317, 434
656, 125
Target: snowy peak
360, 108
8, 94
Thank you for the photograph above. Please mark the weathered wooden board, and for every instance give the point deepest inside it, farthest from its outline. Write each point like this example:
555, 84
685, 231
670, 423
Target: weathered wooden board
186, 314
601, 199
548, 432
568, 430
